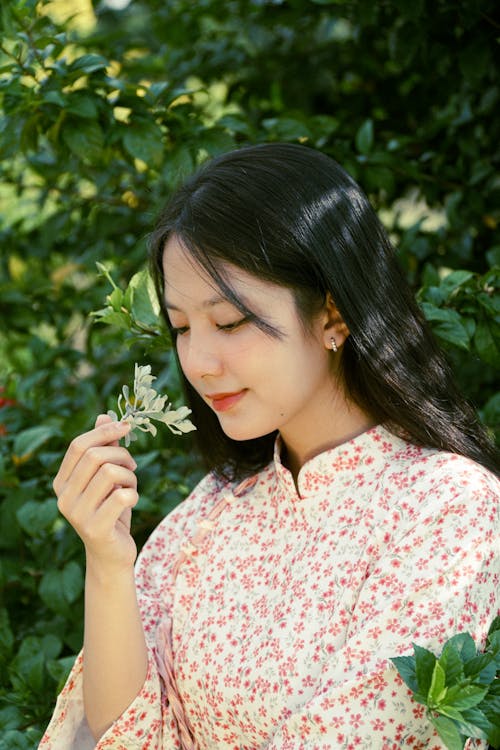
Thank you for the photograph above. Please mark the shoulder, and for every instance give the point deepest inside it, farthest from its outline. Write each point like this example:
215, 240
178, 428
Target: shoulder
452, 472
441, 486
422, 465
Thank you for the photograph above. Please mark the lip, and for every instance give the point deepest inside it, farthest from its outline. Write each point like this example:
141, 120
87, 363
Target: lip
224, 401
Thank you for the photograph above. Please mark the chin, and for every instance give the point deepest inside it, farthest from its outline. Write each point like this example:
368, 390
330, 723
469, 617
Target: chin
241, 434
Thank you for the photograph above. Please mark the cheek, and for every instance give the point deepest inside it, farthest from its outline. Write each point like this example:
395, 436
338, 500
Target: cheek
181, 350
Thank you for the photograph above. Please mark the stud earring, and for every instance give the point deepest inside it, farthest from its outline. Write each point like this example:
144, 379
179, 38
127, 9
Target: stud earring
334, 345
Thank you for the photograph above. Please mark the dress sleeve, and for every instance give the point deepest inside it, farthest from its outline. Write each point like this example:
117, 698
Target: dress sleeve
149, 721
439, 577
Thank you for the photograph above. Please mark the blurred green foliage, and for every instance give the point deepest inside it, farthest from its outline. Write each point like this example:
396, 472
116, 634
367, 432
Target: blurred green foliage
98, 121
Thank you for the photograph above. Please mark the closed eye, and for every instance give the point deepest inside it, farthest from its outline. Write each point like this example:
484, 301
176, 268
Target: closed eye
228, 327
179, 331
235, 325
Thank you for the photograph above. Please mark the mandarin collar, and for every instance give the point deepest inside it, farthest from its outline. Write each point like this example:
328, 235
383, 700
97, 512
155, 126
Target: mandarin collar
367, 450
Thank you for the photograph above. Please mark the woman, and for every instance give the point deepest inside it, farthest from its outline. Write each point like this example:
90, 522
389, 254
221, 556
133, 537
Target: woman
350, 508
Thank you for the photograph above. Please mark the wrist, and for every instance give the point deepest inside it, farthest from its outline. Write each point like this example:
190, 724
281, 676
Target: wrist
108, 575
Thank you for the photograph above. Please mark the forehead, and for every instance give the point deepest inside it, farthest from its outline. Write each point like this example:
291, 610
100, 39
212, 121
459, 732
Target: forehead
187, 282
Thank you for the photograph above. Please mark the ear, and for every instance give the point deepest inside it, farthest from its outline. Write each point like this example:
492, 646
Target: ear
333, 324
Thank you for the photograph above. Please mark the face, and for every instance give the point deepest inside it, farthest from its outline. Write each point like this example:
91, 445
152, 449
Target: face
255, 383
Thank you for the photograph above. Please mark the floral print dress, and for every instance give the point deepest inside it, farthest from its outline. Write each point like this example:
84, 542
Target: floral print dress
271, 610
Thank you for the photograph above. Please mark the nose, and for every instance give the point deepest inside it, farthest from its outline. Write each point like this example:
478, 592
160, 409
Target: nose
198, 359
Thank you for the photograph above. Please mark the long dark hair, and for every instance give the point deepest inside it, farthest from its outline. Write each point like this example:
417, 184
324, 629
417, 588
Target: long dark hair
291, 215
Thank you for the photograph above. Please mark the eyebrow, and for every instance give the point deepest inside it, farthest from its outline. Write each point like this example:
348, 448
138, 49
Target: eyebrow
217, 300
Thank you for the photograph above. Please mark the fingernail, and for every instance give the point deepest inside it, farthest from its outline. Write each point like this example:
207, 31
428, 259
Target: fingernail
122, 426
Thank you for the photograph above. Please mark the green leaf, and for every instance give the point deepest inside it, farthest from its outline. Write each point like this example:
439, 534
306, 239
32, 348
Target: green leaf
494, 737
464, 644
452, 664
447, 325
235, 124
82, 105
89, 64
60, 588
490, 303
54, 97
494, 627
493, 256
441, 314
145, 307
85, 140
437, 689
455, 279
450, 711
52, 594
424, 668
364, 137
28, 666
110, 317
59, 669
115, 299
490, 413
6, 636
15, 740
156, 89
286, 128
178, 165
453, 333
486, 345
144, 140
448, 732
30, 440
491, 703
466, 696
475, 723
406, 668
481, 668
430, 276
36, 517
72, 581
50, 645
10, 718
216, 141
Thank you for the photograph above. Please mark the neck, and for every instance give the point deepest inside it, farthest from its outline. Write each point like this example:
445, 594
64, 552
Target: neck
346, 423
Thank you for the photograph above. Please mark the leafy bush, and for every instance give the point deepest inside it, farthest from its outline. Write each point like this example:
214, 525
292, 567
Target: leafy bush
101, 115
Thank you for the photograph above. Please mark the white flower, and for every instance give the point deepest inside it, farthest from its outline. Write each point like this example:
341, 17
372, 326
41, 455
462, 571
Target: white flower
147, 404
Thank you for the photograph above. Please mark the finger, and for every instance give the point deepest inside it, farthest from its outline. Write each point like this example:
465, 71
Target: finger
117, 507
108, 478
104, 419
105, 434
90, 463
76, 506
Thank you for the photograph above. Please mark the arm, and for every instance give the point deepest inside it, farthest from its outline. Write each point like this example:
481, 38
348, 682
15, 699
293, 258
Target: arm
148, 720
115, 659
96, 488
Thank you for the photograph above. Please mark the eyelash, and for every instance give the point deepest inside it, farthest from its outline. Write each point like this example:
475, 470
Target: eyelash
227, 328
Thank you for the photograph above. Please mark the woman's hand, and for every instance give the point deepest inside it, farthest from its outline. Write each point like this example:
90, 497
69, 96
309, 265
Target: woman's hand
96, 489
